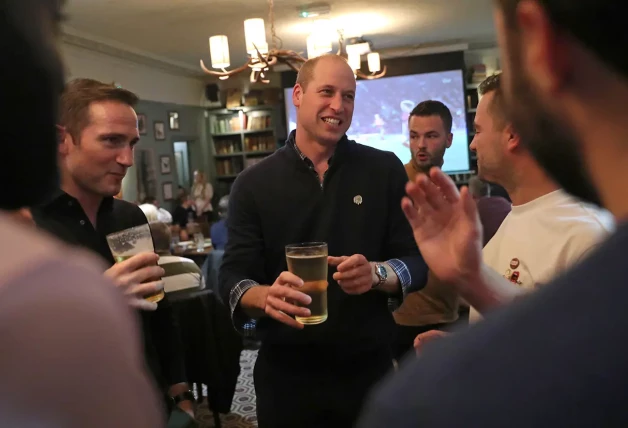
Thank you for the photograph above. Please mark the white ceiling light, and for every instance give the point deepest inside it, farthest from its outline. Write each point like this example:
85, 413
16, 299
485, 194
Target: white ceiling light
354, 61
219, 51
255, 36
374, 62
263, 57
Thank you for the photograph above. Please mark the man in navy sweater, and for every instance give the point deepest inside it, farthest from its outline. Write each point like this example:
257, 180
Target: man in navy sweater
555, 358
320, 187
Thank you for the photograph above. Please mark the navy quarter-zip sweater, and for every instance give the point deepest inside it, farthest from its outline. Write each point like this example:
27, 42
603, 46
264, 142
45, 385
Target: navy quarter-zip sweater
280, 201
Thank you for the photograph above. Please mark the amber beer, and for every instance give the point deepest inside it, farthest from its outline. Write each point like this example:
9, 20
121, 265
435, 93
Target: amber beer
308, 261
130, 242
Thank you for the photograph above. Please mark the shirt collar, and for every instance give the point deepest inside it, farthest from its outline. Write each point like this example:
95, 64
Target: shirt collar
61, 197
340, 148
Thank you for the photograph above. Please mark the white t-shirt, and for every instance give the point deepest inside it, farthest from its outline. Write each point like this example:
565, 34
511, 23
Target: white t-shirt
540, 239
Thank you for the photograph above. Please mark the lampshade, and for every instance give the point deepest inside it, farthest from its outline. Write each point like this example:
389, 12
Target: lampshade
322, 36
219, 51
354, 61
373, 61
311, 50
255, 36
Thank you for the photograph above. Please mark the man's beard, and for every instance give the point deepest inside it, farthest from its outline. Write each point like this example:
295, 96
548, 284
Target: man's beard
552, 144
435, 159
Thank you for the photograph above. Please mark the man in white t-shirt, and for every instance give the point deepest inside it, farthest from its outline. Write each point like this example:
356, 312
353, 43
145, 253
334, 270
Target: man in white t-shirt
547, 229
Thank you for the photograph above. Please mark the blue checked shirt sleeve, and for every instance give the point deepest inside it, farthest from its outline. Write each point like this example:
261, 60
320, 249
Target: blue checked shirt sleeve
242, 323
403, 273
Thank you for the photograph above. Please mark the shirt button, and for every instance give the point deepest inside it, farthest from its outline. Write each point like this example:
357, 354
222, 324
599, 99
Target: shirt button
70, 203
82, 222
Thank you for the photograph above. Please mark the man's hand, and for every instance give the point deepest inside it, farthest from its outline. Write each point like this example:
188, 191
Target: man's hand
282, 297
446, 227
136, 278
354, 274
426, 337
187, 407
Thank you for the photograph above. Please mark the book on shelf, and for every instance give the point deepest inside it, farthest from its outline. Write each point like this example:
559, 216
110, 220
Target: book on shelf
228, 167
259, 143
227, 124
257, 122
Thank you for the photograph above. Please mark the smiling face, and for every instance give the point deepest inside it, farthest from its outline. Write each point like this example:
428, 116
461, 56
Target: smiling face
325, 102
98, 162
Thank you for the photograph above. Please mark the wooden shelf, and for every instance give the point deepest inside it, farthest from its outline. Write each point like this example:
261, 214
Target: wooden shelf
243, 109
228, 155
260, 152
473, 85
227, 134
255, 131
226, 177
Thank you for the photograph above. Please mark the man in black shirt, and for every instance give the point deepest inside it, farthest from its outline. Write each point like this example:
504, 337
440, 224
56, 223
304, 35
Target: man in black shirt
98, 130
556, 357
320, 187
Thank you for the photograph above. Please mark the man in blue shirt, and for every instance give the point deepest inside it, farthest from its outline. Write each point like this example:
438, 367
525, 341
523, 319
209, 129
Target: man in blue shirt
218, 230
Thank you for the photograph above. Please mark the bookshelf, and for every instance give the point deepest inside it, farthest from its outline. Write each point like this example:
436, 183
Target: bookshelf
242, 137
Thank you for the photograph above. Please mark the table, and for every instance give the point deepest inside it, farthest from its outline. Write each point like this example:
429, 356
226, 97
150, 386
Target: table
197, 256
211, 345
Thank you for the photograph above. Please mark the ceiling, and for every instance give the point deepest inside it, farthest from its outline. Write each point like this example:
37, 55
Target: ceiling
178, 31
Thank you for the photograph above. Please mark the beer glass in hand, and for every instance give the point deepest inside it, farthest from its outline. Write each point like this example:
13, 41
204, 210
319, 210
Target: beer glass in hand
308, 261
129, 242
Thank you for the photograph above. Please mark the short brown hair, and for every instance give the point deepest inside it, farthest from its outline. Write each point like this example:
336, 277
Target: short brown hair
496, 108
434, 108
306, 72
79, 94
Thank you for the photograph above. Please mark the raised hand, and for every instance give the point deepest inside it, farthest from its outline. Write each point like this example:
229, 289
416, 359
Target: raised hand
446, 226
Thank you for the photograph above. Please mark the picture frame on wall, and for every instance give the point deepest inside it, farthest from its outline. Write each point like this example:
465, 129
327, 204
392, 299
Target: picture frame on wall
160, 131
164, 165
141, 123
167, 191
173, 120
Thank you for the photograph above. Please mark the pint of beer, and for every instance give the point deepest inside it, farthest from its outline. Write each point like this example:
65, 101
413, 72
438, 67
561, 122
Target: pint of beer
308, 261
129, 242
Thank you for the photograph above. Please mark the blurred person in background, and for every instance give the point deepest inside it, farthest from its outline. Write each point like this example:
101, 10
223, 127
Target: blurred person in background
182, 214
202, 194
219, 229
84, 368
491, 209
153, 212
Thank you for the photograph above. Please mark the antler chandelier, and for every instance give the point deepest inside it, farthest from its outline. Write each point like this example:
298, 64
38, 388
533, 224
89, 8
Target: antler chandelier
262, 57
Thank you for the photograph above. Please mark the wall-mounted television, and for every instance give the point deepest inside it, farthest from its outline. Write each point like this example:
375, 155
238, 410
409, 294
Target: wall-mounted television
382, 107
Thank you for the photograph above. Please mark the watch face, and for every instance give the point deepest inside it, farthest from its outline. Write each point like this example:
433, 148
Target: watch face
381, 272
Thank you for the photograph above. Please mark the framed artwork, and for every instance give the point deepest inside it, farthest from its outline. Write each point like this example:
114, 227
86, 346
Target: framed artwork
167, 191
160, 131
164, 164
173, 120
141, 123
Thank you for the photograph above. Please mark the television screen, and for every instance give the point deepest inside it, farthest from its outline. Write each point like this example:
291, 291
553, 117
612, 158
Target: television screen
382, 107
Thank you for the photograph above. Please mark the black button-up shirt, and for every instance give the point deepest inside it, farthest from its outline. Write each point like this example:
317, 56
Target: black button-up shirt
64, 217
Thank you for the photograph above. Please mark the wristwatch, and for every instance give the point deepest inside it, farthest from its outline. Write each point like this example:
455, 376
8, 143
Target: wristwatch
184, 396
382, 274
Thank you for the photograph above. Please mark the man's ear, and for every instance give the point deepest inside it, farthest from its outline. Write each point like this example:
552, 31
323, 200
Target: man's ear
450, 139
512, 138
297, 93
64, 140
